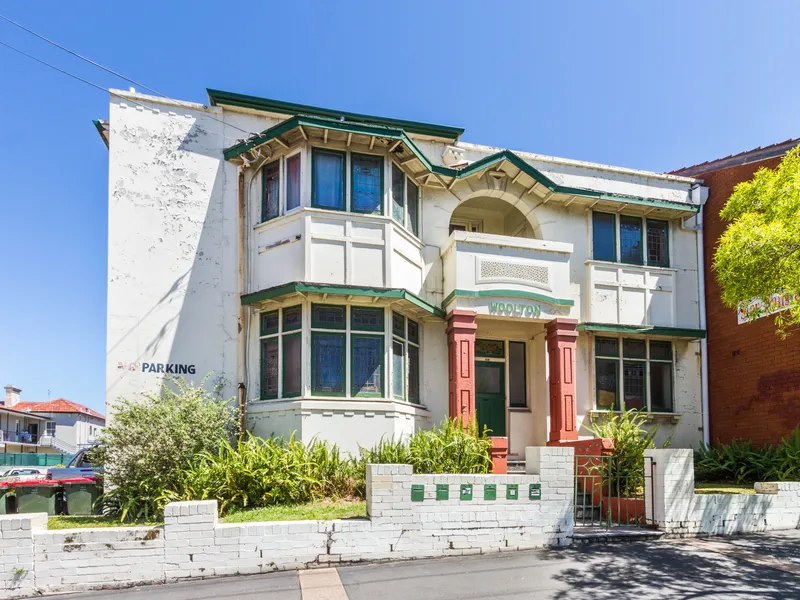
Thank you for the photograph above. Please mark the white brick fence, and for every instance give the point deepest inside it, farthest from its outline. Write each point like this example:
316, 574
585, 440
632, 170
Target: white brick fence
678, 511
447, 515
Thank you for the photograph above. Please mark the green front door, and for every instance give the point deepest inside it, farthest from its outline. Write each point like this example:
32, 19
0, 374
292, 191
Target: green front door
490, 396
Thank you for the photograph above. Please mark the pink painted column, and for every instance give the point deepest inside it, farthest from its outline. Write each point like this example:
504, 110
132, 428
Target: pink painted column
461, 329
561, 341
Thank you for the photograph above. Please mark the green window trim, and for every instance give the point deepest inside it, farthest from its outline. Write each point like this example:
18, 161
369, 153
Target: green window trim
359, 394
299, 392
380, 326
637, 259
274, 168
262, 374
314, 204
658, 223
403, 369
316, 324
382, 190
598, 217
289, 326
343, 370
264, 326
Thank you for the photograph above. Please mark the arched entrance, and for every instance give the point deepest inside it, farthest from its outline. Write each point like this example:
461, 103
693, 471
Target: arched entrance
491, 215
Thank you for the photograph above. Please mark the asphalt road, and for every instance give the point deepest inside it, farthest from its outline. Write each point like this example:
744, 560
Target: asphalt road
758, 566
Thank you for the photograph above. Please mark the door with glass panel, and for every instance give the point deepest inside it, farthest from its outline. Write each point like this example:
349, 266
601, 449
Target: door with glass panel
490, 386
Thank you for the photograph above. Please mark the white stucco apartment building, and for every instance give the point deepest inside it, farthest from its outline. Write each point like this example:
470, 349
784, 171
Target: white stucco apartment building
352, 277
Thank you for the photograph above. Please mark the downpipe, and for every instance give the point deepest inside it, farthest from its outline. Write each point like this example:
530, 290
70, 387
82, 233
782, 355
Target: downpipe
242, 340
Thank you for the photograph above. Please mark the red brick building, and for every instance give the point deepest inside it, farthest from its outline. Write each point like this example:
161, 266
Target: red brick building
753, 375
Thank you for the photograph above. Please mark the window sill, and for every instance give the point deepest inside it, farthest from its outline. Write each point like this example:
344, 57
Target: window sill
650, 416
519, 409
608, 263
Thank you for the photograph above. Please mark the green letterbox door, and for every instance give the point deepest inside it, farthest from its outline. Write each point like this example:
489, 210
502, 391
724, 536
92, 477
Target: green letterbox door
490, 397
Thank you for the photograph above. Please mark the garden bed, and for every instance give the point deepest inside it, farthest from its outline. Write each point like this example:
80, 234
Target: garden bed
724, 488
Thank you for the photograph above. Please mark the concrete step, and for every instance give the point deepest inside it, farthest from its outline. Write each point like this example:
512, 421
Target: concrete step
607, 535
516, 466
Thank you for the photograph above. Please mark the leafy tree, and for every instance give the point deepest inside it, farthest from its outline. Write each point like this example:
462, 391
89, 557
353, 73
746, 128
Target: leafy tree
758, 256
152, 440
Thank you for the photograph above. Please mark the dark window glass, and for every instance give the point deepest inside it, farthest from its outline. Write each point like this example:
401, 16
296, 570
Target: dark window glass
634, 349
606, 382
660, 350
398, 371
413, 331
489, 379
292, 318
398, 189
269, 322
604, 236
327, 351
413, 208
269, 368
327, 174
490, 348
293, 182
398, 325
633, 384
630, 240
367, 180
292, 365
366, 366
516, 374
661, 387
270, 203
327, 317
606, 347
413, 374
657, 245
366, 319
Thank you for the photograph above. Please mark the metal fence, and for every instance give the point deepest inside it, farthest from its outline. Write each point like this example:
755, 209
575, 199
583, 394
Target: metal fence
32, 459
609, 491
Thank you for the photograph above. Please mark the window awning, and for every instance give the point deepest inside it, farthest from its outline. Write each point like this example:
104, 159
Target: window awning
676, 332
506, 163
412, 301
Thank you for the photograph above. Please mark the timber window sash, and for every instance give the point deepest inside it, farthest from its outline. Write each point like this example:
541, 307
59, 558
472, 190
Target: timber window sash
405, 196
630, 240
280, 342
405, 358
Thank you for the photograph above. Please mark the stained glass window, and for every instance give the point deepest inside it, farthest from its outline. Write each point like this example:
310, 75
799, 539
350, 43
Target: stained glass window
269, 368
327, 174
633, 384
398, 325
490, 348
413, 374
398, 191
657, 245
606, 383
413, 208
660, 350
366, 319
270, 199
269, 322
634, 349
367, 182
606, 347
413, 332
630, 240
604, 236
367, 353
292, 318
293, 182
327, 317
327, 351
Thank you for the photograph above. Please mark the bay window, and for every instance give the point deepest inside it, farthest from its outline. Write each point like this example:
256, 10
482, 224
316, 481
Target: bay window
366, 180
633, 373
631, 240
270, 196
405, 200
405, 358
293, 182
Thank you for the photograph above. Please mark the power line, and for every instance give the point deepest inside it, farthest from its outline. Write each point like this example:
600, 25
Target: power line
101, 88
90, 61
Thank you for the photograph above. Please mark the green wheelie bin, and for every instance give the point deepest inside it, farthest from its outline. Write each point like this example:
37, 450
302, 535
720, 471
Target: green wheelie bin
5, 494
36, 496
82, 495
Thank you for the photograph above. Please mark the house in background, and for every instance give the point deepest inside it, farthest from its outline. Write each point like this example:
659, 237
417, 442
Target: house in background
352, 277
63, 425
753, 376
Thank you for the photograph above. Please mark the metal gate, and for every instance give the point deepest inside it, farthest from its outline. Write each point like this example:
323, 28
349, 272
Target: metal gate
610, 491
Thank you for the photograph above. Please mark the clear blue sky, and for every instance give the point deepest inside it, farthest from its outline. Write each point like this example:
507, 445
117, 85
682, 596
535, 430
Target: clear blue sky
641, 84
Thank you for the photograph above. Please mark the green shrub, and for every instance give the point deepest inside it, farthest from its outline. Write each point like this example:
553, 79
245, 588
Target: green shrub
624, 468
741, 462
150, 442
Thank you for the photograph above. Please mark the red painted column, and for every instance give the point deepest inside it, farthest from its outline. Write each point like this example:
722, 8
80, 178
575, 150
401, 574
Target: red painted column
561, 340
461, 329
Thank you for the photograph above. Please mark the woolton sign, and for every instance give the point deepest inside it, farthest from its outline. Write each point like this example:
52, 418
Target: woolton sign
512, 309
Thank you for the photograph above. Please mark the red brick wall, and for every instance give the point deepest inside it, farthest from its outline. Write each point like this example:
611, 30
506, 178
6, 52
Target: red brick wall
754, 376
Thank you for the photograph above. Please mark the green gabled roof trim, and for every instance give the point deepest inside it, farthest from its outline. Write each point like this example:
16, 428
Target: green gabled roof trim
484, 163
99, 126
290, 108
341, 290
643, 329
507, 294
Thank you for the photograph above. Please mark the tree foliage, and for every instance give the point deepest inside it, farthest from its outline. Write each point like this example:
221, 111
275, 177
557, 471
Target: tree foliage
152, 440
758, 256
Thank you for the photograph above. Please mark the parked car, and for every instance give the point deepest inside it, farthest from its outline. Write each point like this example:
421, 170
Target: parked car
24, 473
80, 465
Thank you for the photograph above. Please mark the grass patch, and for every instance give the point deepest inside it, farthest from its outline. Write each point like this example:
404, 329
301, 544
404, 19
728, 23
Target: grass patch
724, 488
320, 511
92, 521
